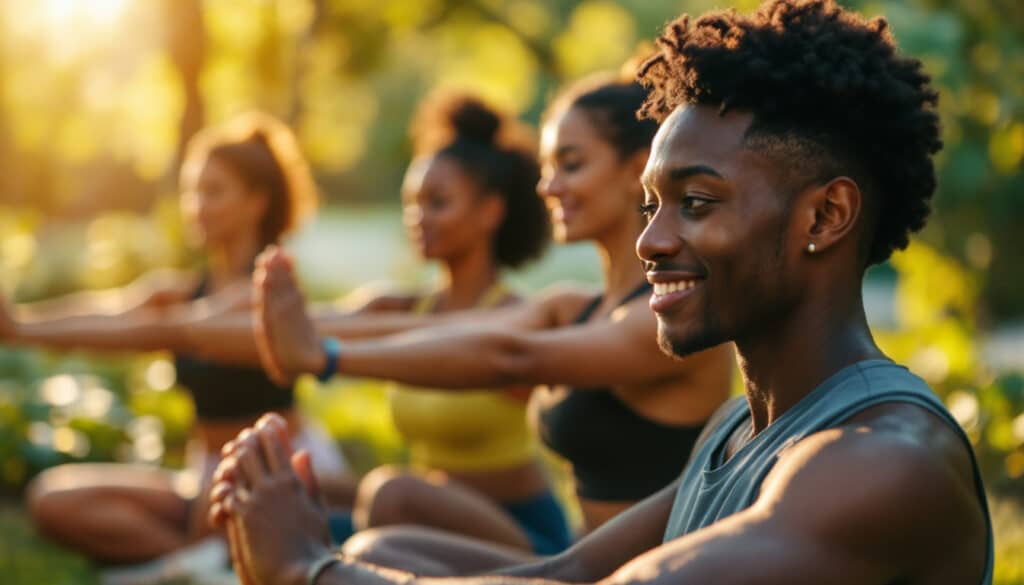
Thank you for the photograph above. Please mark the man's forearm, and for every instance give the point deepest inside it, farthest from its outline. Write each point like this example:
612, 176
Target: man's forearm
358, 573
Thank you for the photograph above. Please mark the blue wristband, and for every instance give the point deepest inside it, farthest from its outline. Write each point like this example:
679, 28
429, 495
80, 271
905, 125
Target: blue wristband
332, 349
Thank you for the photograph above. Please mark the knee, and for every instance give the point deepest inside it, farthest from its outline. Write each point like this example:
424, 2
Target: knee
383, 497
396, 546
369, 545
49, 505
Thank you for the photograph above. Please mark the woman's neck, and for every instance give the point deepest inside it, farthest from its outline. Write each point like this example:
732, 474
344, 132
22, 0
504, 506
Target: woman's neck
232, 260
620, 266
466, 279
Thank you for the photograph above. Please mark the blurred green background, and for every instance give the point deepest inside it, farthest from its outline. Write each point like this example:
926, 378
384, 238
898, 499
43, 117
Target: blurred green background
97, 98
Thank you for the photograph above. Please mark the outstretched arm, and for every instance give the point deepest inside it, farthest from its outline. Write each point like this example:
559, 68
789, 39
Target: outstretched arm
143, 315
229, 337
466, 354
598, 353
155, 289
155, 313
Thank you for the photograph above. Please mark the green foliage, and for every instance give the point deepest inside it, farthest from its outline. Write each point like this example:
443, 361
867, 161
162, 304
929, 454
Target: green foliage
937, 337
27, 559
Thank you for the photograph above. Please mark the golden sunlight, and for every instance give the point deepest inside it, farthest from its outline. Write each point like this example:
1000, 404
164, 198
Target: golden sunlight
74, 25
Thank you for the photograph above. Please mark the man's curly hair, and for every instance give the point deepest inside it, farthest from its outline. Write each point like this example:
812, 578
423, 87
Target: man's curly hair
828, 94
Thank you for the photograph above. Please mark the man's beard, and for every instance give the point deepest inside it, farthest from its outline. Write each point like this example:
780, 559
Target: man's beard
709, 336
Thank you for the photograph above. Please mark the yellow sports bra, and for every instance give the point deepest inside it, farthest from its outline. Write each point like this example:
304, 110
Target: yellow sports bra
468, 430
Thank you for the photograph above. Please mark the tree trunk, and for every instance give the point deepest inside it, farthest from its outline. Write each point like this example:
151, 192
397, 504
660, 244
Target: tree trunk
186, 44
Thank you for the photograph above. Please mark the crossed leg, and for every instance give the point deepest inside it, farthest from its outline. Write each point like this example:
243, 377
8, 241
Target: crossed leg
116, 513
390, 496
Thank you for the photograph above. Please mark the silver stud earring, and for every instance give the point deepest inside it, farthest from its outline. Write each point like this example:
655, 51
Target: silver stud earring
811, 248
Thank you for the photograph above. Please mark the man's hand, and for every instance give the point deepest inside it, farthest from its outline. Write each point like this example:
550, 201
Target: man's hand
268, 500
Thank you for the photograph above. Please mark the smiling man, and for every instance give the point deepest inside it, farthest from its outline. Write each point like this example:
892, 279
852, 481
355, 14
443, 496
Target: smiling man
795, 152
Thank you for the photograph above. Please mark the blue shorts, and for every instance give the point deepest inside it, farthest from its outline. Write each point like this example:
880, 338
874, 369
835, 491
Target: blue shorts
541, 518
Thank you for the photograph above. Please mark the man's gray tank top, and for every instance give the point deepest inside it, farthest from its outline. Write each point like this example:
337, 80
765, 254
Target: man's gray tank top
711, 490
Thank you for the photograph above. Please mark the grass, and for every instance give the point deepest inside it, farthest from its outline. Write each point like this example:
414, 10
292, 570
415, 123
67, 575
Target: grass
28, 559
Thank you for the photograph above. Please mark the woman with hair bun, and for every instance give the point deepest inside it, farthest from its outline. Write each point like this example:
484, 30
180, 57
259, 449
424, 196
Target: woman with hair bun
244, 185
469, 203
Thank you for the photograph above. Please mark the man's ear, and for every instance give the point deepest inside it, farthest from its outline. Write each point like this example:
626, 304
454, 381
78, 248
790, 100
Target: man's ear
827, 214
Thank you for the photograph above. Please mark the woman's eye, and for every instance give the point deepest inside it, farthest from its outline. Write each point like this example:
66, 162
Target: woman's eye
691, 203
648, 210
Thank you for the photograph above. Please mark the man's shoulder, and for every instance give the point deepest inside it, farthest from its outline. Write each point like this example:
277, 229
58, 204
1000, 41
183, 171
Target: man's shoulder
898, 445
893, 473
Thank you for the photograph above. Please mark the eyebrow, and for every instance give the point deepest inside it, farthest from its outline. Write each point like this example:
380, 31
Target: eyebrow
561, 150
683, 173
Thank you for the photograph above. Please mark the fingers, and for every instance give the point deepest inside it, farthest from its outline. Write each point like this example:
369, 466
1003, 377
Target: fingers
236, 548
272, 432
280, 263
251, 465
263, 260
279, 272
248, 458
263, 332
273, 265
254, 453
303, 465
216, 515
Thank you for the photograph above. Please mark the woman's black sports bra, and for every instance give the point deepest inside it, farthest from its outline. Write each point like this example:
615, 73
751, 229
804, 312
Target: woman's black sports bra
223, 392
616, 453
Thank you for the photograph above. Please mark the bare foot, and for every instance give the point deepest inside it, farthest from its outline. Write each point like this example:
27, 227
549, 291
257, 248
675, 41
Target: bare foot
275, 529
287, 340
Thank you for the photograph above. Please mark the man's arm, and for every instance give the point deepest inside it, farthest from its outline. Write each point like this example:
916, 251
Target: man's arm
599, 554
596, 556
867, 503
853, 505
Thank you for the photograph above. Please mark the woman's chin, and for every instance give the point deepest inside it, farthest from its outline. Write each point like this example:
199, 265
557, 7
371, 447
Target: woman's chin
568, 234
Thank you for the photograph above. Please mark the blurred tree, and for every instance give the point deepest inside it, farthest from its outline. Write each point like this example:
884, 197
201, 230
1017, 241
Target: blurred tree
185, 37
95, 112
